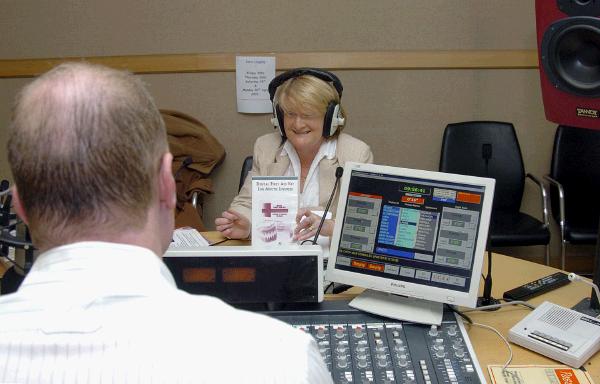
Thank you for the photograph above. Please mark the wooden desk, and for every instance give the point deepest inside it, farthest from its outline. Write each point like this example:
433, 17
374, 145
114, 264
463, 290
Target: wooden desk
507, 273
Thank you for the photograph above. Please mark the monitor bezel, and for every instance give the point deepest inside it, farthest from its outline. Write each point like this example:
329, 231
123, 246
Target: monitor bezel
409, 289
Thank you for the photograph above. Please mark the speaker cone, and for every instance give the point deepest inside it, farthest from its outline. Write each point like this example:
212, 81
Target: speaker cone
571, 55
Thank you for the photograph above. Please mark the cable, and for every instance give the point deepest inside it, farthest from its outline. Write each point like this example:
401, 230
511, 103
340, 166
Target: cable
452, 308
494, 306
503, 339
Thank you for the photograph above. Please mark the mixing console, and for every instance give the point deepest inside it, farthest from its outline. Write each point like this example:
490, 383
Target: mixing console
362, 348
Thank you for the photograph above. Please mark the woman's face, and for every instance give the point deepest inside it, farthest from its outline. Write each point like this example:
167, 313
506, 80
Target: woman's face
304, 129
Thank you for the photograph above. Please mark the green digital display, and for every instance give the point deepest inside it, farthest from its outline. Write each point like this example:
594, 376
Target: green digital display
413, 189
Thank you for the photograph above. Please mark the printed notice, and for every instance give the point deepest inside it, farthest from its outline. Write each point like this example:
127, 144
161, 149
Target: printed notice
253, 75
538, 374
274, 208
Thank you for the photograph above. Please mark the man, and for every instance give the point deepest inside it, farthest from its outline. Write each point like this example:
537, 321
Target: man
89, 156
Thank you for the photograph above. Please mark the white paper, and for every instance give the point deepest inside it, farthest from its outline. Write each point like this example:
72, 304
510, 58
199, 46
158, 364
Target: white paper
274, 209
187, 238
253, 75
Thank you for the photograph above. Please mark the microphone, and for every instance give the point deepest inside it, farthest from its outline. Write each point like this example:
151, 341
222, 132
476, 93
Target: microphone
338, 174
574, 277
487, 299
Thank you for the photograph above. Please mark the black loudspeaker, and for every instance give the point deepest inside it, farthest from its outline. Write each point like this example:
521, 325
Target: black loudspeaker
568, 33
332, 118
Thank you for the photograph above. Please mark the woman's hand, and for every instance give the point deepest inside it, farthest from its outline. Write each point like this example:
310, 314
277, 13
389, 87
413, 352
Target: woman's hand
233, 225
308, 223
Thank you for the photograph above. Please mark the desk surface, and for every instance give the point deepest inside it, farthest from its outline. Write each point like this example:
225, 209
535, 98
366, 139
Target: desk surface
507, 273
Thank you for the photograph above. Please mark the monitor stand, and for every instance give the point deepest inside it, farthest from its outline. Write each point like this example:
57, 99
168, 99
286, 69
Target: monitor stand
399, 307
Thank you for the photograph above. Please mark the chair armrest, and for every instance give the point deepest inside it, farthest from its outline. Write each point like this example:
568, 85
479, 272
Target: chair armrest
544, 196
561, 202
195, 199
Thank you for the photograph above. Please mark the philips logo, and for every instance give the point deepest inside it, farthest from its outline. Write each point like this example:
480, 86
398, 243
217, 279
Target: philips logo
587, 112
397, 285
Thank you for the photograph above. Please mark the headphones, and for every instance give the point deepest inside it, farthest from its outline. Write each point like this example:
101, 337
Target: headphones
332, 119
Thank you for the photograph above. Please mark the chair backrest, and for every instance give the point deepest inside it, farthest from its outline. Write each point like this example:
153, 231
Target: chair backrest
576, 165
246, 167
467, 145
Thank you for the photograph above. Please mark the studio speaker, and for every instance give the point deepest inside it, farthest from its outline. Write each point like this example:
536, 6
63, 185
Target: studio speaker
568, 34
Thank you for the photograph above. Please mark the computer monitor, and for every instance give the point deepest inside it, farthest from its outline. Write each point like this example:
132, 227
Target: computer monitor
415, 239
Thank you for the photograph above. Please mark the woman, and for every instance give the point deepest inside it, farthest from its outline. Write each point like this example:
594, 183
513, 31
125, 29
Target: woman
309, 145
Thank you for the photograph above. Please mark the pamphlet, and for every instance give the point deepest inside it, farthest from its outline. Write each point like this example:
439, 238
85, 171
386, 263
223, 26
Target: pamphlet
274, 208
187, 237
538, 374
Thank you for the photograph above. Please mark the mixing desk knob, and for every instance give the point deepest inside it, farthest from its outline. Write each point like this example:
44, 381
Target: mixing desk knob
342, 361
438, 343
320, 333
398, 341
340, 349
402, 360
452, 330
362, 360
440, 352
433, 331
399, 348
460, 352
382, 361
339, 332
358, 332
395, 333
362, 350
457, 343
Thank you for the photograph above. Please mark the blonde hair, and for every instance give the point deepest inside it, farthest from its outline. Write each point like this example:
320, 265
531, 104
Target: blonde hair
308, 93
84, 146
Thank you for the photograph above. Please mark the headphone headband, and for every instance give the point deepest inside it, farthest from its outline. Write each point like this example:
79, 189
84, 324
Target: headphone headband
318, 73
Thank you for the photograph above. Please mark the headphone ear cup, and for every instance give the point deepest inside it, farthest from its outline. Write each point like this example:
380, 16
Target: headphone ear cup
279, 120
328, 129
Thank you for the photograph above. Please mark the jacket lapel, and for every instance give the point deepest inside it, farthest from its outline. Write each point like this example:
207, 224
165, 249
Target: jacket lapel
279, 167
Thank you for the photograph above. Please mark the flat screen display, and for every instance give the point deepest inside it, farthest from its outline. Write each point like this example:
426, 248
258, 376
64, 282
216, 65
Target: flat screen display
411, 232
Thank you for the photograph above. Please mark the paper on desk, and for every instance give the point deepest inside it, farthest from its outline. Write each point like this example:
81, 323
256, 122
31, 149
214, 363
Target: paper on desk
538, 374
187, 238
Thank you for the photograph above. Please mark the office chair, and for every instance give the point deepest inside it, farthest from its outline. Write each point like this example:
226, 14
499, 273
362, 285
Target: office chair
246, 167
575, 185
491, 149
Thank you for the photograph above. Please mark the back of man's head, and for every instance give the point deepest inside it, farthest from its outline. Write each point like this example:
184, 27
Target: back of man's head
85, 145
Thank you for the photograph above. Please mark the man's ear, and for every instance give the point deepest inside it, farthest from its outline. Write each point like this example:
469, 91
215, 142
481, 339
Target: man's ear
167, 190
18, 205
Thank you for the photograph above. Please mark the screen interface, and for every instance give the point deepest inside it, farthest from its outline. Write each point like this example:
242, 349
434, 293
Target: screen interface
410, 229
